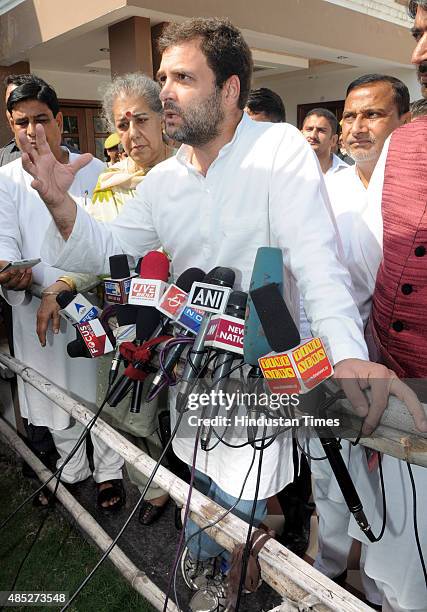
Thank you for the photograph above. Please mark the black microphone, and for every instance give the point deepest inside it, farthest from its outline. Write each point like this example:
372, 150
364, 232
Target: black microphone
184, 283
126, 319
147, 325
271, 308
117, 286
211, 296
228, 331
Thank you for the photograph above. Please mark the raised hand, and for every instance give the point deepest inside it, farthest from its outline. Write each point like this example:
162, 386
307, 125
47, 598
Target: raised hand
52, 179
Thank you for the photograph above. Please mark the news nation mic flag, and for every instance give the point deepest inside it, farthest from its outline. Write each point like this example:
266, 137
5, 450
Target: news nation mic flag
148, 288
227, 333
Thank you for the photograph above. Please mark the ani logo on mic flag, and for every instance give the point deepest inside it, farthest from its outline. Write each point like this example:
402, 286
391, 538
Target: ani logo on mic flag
298, 370
209, 298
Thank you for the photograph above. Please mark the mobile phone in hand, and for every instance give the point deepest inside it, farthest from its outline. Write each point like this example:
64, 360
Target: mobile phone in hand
21, 264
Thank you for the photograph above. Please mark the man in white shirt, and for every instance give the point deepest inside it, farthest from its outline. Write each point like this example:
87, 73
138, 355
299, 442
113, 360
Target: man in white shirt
320, 129
375, 105
233, 186
394, 562
23, 222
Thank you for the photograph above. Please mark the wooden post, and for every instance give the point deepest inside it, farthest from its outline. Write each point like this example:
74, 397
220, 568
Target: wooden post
136, 577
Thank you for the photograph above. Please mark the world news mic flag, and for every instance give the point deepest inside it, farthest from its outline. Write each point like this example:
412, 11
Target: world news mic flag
293, 366
225, 334
172, 303
75, 308
211, 296
148, 288
117, 286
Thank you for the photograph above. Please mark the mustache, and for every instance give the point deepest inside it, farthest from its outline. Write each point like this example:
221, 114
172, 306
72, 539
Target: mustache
370, 139
171, 106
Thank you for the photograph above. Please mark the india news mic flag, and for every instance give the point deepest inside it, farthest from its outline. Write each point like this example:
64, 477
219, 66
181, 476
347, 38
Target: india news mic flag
117, 285
148, 288
293, 366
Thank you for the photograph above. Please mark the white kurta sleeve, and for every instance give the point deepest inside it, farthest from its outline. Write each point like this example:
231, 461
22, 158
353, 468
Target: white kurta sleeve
302, 226
91, 243
10, 236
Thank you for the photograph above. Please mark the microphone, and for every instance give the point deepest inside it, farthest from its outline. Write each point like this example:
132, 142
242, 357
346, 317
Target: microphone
226, 335
145, 292
125, 332
93, 340
293, 366
211, 296
117, 286
147, 326
172, 304
148, 288
268, 268
303, 361
75, 308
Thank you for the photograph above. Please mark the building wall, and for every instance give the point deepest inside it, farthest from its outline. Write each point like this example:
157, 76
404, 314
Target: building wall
326, 87
73, 86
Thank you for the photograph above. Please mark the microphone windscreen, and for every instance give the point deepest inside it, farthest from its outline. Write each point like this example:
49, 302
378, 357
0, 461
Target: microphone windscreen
77, 348
126, 314
119, 266
268, 268
147, 319
155, 265
64, 298
236, 304
220, 276
280, 330
186, 279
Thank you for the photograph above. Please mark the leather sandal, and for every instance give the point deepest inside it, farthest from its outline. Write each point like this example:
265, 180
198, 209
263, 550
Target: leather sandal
106, 495
149, 513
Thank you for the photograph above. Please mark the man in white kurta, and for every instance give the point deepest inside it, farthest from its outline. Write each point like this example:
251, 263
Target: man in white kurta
356, 200
234, 186
23, 223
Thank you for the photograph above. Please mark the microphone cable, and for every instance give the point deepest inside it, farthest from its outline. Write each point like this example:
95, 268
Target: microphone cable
208, 526
86, 430
247, 549
415, 520
128, 520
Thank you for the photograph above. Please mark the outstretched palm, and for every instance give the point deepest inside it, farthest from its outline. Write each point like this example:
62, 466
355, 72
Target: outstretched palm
52, 179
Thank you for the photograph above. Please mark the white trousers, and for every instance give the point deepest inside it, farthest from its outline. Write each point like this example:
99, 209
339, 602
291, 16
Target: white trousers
108, 463
334, 542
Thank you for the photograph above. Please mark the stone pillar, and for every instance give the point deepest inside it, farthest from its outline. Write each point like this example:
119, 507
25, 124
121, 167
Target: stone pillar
130, 46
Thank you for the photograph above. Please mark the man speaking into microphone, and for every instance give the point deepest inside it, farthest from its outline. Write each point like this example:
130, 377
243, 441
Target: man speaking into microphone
233, 186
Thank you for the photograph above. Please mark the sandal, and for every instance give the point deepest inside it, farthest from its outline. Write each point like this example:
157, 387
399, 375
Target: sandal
149, 513
115, 490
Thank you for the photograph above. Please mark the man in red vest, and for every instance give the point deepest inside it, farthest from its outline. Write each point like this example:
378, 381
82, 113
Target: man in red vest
397, 218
